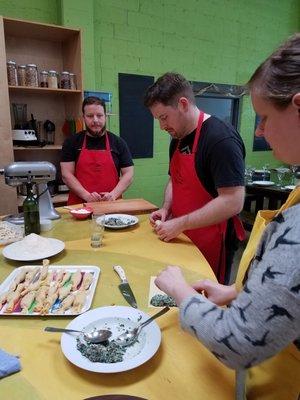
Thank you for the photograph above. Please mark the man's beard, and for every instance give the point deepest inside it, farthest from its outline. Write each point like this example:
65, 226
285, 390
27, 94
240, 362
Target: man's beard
98, 133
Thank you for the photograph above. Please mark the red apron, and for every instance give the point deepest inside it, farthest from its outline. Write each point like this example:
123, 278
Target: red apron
95, 170
189, 195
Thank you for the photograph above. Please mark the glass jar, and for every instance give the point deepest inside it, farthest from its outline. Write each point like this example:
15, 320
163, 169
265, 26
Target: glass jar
65, 80
52, 79
22, 75
73, 85
31, 75
43, 79
12, 73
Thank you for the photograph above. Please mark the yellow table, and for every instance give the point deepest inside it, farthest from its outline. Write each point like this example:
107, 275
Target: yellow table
181, 369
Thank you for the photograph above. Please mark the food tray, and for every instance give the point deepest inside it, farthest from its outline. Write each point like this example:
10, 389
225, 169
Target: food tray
84, 269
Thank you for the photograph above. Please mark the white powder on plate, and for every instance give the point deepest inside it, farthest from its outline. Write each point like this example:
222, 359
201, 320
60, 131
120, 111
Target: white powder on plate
34, 245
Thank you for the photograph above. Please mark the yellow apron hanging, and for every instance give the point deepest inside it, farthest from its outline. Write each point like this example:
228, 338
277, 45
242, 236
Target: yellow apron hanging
279, 377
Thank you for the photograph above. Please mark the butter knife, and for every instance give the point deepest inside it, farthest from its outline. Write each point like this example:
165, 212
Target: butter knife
124, 287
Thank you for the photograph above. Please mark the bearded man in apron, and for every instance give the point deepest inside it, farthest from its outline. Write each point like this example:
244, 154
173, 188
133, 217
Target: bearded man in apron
206, 185
96, 165
260, 331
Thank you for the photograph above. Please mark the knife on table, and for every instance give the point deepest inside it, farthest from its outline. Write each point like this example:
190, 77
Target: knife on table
124, 287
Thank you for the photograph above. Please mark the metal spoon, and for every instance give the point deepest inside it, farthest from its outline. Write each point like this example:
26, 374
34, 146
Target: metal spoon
95, 336
127, 338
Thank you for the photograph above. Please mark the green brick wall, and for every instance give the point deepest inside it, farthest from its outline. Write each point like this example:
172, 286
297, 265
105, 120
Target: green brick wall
215, 41
47, 11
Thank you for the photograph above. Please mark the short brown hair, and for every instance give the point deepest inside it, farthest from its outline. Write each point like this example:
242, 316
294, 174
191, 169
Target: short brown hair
168, 89
277, 79
93, 100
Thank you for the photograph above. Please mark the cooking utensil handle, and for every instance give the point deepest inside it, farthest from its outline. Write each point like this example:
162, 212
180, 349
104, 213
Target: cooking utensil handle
161, 312
53, 329
120, 271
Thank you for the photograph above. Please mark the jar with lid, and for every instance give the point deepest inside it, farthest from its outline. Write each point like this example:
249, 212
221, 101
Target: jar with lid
73, 85
43, 79
65, 80
31, 75
22, 75
52, 79
12, 73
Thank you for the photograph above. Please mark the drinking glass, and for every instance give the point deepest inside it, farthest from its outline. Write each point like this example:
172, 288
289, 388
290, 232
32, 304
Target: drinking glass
280, 175
266, 172
293, 169
97, 229
249, 174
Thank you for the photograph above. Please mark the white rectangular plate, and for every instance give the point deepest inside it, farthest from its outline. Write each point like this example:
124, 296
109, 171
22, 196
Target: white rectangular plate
68, 268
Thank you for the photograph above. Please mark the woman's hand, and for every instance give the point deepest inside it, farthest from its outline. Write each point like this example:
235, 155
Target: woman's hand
219, 294
172, 282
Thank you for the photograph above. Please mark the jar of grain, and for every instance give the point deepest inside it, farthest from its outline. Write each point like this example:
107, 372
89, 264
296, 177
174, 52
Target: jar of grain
43, 79
65, 80
22, 75
73, 85
31, 75
52, 79
12, 73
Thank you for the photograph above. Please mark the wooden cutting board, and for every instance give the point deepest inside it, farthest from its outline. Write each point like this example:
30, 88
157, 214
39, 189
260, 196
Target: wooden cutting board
123, 206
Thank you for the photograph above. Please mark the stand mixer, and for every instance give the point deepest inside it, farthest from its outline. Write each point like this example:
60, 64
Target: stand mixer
32, 172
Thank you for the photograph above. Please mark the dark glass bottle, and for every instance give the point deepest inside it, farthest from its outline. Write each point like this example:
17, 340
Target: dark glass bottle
31, 212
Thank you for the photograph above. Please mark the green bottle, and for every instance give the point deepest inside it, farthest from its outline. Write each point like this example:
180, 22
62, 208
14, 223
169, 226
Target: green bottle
31, 212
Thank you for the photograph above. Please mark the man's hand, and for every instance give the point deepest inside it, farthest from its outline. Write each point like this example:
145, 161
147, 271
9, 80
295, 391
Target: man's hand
92, 197
170, 229
107, 196
160, 215
215, 292
172, 282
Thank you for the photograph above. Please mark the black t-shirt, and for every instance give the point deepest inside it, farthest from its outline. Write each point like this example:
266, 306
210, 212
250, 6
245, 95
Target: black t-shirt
220, 154
119, 149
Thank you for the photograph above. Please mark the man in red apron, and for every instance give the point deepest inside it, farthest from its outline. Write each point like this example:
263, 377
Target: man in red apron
96, 165
206, 185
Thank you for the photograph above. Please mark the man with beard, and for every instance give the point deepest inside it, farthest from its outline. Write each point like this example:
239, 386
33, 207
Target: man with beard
96, 164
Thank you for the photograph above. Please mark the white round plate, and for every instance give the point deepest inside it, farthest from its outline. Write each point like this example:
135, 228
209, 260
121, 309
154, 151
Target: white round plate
15, 251
127, 220
290, 187
111, 317
263, 183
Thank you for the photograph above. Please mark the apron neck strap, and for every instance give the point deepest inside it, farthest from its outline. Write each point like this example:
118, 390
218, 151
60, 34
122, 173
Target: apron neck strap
198, 130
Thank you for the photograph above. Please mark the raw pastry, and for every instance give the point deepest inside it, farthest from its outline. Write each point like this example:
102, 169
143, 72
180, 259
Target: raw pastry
87, 280
79, 301
76, 279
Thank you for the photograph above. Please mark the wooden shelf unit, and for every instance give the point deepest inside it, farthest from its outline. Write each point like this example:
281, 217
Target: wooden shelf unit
49, 47
33, 148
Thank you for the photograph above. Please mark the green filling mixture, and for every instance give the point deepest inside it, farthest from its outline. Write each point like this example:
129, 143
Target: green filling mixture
162, 300
105, 352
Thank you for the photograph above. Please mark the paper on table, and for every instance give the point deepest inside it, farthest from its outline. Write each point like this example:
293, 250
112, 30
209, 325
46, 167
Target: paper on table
153, 290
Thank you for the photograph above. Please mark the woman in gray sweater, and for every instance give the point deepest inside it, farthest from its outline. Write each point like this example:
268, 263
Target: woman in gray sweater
264, 316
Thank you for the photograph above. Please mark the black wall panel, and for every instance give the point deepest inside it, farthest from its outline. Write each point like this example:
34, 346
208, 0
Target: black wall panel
136, 121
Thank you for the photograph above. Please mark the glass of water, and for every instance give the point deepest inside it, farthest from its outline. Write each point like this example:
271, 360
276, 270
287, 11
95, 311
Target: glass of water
280, 175
97, 229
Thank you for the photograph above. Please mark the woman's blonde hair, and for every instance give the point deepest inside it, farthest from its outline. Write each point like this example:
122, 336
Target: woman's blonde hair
277, 79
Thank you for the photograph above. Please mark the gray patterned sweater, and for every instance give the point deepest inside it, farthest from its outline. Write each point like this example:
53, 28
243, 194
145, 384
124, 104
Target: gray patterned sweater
265, 317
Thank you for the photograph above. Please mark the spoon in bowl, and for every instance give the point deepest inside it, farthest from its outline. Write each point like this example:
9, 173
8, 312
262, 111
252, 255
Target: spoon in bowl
128, 338
95, 336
